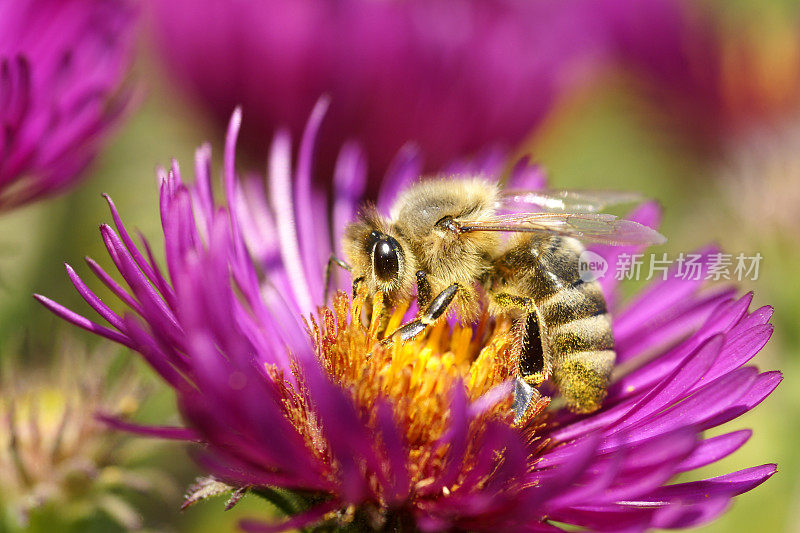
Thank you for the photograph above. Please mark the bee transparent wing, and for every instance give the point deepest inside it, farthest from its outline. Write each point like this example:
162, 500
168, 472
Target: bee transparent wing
576, 201
588, 227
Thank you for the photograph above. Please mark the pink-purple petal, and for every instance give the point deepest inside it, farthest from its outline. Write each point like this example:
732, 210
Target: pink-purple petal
713, 449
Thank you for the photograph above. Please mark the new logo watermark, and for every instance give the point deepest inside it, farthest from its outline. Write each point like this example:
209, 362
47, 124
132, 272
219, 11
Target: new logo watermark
591, 266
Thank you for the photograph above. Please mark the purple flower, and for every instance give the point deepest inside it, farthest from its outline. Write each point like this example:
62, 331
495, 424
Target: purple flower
450, 75
61, 67
290, 404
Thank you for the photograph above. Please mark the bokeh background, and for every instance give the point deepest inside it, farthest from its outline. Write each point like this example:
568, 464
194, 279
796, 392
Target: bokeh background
717, 142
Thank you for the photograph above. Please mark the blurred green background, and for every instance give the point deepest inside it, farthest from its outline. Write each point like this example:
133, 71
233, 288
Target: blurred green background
601, 138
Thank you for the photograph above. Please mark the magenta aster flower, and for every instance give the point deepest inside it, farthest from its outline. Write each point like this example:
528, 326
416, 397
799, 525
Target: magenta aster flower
61, 67
450, 75
294, 401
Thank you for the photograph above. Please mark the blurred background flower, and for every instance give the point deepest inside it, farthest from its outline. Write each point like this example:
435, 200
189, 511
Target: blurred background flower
453, 76
62, 468
712, 73
62, 66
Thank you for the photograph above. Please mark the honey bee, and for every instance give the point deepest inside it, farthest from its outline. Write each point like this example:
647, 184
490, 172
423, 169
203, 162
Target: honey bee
444, 243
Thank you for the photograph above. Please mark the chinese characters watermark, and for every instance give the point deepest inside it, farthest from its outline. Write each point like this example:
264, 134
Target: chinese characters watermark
687, 266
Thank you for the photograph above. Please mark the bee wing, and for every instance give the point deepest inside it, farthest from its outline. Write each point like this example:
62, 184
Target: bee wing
576, 201
588, 227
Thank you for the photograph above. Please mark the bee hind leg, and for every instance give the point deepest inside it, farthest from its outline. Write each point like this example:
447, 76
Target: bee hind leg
530, 349
530, 354
524, 394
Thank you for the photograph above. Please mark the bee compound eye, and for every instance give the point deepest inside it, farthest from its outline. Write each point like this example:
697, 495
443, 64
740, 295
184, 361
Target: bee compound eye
386, 259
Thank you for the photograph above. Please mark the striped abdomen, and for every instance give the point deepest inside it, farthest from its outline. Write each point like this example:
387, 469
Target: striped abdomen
565, 330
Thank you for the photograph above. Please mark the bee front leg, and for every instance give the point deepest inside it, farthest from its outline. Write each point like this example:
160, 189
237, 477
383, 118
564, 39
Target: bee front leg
423, 289
356, 284
333, 260
436, 309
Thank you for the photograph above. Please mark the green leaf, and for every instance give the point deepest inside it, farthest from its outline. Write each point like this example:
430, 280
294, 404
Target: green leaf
208, 487
280, 499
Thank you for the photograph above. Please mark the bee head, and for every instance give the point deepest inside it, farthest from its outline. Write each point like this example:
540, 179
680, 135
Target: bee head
378, 255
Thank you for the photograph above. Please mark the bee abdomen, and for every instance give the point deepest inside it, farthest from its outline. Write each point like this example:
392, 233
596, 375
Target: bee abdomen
573, 302
581, 335
581, 345
582, 378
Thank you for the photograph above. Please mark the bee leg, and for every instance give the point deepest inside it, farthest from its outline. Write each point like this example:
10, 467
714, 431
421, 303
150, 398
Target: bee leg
333, 260
356, 284
531, 367
436, 309
523, 396
423, 289
530, 348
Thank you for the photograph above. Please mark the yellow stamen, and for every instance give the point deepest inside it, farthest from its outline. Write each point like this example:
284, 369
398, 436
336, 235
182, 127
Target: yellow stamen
415, 376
